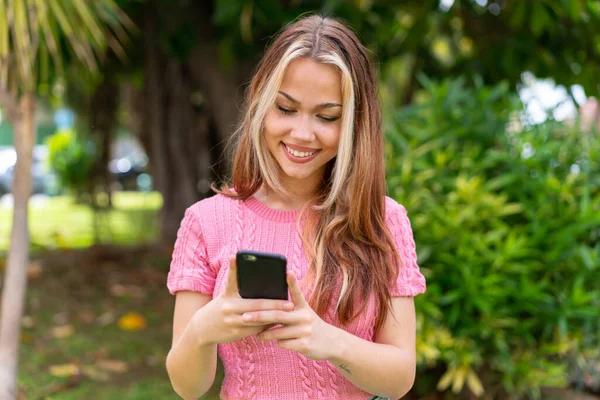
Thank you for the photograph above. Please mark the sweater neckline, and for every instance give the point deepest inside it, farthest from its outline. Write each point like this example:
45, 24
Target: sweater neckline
272, 214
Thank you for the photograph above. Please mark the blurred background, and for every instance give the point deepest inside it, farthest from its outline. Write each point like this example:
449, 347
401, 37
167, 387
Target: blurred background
492, 124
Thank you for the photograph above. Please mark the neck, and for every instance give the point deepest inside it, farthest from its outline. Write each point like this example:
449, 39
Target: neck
297, 196
299, 192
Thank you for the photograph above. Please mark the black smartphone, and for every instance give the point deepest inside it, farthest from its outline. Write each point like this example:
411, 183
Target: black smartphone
261, 275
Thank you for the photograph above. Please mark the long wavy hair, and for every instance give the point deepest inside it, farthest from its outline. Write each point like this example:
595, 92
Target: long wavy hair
345, 234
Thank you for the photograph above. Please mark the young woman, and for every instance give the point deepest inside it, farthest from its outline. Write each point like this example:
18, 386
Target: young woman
308, 183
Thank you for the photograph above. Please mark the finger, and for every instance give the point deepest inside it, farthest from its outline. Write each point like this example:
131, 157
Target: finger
231, 287
269, 326
274, 317
295, 292
237, 321
283, 333
291, 345
242, 306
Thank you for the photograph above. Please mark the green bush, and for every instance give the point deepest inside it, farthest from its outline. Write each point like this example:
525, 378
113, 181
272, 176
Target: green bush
71, 159
507, 225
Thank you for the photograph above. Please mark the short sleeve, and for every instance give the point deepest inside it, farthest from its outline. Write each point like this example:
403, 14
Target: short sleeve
410, 281
190, 267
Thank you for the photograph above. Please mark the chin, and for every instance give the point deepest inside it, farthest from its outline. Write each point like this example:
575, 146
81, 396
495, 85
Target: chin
295, 174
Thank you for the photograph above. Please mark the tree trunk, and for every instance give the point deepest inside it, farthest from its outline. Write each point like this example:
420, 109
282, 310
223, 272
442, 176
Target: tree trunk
171, 128
152, 123
222, 89
183, 137
102, 117
15, 282
102, 113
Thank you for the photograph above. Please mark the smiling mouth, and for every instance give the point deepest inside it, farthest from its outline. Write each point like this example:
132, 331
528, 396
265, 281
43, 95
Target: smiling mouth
301, 154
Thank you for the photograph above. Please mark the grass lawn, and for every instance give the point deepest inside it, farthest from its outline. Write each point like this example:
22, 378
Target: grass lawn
77, 341
57, 222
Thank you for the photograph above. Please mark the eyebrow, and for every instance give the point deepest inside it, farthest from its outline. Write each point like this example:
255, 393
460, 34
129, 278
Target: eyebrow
293, 100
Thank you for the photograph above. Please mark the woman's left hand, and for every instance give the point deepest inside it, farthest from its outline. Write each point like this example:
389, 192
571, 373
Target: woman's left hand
303, 330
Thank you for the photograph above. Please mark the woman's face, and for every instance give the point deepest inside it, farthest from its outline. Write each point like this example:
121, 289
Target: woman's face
302, 129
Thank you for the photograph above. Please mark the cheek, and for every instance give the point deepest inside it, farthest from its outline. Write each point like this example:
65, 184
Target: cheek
274, 125
331, 138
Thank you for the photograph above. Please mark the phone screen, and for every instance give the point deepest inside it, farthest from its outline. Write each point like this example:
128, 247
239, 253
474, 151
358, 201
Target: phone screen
261, 275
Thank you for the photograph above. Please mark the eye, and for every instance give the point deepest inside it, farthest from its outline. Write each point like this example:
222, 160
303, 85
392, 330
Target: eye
329, 119
284, 110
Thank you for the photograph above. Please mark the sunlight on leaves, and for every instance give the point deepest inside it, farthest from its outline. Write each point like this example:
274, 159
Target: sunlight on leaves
95, 373
116, 366
64, 370
27, 322
106, 319
459, 379
456, 377
474, 384
446, 379
61, 332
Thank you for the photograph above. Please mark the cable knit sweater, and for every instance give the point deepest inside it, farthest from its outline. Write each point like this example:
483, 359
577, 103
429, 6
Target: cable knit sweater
215, 229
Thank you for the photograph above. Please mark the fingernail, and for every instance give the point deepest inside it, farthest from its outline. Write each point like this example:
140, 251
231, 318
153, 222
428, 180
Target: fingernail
246, 317
288, 306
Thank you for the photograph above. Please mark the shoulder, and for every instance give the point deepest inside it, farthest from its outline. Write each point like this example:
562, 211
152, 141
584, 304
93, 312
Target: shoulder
393, 209
214, 209
215, 202
396, 218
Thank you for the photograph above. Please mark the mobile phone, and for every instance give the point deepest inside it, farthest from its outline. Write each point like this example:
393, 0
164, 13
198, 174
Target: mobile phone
261, 275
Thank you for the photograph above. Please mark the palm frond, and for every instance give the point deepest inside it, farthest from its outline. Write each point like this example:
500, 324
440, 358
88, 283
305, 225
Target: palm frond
49, 34
37, 36
89, 23
22, 41
120, 27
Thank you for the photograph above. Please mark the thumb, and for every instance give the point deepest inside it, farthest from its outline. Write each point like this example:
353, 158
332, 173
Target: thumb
231, 285
296, 294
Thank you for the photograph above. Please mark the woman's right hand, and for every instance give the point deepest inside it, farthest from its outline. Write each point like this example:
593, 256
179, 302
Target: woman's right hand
220, 321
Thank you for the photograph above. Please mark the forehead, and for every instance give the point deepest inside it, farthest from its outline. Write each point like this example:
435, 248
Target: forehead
312, 82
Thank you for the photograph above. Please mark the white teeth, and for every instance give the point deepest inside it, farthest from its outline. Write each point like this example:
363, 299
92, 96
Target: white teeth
299, 153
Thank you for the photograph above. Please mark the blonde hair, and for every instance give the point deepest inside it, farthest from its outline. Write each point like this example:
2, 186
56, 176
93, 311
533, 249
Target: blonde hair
266, 98
346, 227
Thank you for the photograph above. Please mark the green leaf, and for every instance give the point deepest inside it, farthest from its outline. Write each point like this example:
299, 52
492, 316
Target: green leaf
573, 8
227, 12
226, 53
539, 18
519, 13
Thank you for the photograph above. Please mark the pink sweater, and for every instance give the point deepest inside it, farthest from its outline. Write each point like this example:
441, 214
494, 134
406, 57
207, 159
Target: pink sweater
212, 231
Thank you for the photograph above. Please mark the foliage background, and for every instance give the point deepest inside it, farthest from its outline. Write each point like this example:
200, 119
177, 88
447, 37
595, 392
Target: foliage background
506, 214
506, 221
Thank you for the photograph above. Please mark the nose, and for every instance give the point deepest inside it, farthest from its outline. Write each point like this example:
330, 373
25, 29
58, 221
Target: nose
304, 130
